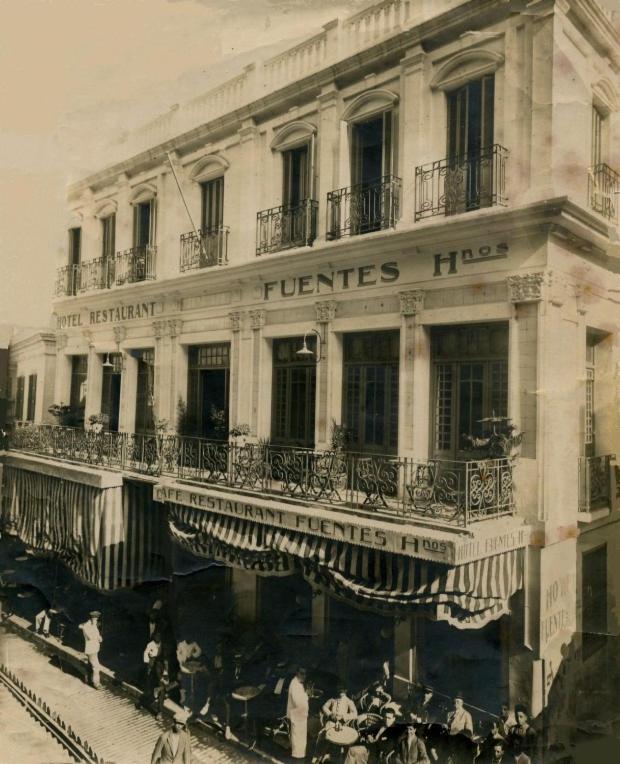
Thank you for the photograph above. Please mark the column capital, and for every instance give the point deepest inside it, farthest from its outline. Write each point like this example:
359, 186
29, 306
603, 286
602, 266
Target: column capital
413, 58
88, 336
236, 320
120, 332
411, 302
527, 287
325, 311
257, 318
328, 95
175, 327
61, 341
159, 329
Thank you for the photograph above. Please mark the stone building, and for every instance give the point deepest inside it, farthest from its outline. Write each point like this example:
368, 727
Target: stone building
401, 234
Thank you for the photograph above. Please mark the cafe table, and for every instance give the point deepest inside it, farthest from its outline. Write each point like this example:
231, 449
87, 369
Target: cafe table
343, 737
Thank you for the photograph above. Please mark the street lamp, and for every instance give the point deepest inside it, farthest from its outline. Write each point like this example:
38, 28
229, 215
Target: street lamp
305, 353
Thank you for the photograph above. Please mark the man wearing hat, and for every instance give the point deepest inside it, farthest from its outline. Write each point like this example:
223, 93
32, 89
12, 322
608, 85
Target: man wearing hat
423, 706
173, 746
459, 720
92, 643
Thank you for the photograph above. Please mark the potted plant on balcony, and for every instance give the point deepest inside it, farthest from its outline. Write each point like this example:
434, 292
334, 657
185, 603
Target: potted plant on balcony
98, 422
239, 433
501, 442
66, 415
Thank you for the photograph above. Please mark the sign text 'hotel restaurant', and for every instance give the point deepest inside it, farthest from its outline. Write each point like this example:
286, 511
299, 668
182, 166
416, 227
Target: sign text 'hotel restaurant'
332, 525
111, 315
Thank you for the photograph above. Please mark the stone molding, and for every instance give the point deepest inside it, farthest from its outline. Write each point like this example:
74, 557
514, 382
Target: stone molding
120, 332
411, 302
257, 318
527, 287
325, 311
236, 320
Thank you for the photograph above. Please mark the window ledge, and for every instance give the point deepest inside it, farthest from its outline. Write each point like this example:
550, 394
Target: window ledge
593, 515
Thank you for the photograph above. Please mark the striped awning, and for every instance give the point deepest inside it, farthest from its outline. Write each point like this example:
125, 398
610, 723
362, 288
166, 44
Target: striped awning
110, 538
468, 596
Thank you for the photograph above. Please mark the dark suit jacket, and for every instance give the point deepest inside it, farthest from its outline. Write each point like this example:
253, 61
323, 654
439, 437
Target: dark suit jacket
163, 751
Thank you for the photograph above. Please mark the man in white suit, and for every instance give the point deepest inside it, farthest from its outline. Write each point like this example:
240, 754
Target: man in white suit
297, 713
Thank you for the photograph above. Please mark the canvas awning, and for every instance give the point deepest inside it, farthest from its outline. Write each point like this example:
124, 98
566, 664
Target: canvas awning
467, 596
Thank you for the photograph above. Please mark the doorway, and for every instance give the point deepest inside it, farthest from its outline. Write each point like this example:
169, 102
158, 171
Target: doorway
208, 390
294, 390
111, 390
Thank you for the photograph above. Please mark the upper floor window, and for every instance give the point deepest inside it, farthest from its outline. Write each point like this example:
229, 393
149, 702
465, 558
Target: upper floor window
144, 223
32, 398
470, 118
108, 236
75, 246
371, 149
296, 175
212, 204
19, 398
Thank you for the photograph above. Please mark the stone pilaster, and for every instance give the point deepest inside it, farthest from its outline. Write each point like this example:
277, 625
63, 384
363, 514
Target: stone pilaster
411, 304
325, 314
236, 322
257, 322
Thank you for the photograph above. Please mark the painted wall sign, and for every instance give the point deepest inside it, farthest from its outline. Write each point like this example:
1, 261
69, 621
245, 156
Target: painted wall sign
334, 525
332, 281
448, 263
113, 315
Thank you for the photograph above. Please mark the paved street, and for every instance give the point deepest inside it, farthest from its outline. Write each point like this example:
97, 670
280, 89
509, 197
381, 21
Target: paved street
107, 720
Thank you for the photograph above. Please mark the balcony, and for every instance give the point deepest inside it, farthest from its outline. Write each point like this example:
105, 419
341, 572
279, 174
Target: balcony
96, 274
461, 184
67, 281
443, 493
603, 190
596, 486
286, 226
135, 264
363, 208
204, 248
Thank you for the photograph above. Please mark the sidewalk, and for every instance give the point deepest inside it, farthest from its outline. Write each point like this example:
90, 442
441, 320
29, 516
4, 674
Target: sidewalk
107, 718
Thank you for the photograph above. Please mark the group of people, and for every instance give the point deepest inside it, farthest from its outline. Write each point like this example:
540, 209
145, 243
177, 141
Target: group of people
417, 730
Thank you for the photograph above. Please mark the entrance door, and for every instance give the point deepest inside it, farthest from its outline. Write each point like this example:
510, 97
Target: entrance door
208, 390
145, 391
111, 391
370, 402
470, 366
294, 388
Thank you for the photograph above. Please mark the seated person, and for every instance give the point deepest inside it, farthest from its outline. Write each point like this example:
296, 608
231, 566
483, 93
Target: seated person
377, 742
522, 739
336, 711
498, 754
374, 698
422, 707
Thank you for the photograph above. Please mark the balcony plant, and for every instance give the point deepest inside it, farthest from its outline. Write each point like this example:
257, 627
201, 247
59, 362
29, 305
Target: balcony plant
67, 415
98, 422
501, 442
238, 433
340, 436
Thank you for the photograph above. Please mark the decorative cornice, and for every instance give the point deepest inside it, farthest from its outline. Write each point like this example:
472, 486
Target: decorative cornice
325, 311
257, 318
527, 287
236, 319
411, 302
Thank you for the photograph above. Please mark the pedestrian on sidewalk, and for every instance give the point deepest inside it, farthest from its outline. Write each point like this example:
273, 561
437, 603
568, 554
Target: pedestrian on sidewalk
173, 746
92, 644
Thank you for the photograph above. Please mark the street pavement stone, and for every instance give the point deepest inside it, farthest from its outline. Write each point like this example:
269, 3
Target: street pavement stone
109, 721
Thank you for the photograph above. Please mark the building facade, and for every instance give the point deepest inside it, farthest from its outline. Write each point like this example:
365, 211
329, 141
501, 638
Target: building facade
386, 260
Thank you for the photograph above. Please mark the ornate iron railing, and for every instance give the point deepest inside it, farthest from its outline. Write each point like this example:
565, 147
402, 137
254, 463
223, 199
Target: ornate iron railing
204, 248
286, 226
596, 488
461, 183
135, 264
603, 190
97, 274
363, 208
67, 280
441, 492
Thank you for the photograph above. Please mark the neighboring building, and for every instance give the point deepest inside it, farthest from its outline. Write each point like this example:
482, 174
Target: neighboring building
422, 195
5, 338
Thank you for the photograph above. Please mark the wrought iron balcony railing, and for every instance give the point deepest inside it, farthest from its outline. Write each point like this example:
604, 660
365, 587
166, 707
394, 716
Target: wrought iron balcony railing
444, 492
603, 191
596, 484
461, 183
363, 208
204, 248
67, 280
286, 226
135, 264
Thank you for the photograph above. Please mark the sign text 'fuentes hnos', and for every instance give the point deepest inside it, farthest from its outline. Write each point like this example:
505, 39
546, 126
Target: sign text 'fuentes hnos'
326, 283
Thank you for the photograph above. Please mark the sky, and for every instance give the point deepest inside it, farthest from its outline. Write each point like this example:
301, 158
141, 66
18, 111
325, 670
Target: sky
75, 74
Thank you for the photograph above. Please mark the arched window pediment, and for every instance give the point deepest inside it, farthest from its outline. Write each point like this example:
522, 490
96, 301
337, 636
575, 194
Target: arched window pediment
106, 208
209, 167
292, 135
466, 66
143, 193
605, 95
369, 103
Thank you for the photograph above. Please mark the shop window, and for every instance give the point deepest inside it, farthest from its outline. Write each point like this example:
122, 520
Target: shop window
208, 390
145, 391
19, 398
470, 368
77, 396
594, 599
370, 400
294, 386
32, 398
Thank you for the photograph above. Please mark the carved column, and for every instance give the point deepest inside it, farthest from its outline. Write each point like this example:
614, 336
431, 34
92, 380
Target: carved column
325, 314
94, 378
172, 371
257, 321
62, 378
411, 304
236, 320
